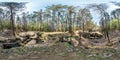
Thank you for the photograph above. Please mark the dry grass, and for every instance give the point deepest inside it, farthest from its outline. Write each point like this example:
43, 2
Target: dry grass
60, 51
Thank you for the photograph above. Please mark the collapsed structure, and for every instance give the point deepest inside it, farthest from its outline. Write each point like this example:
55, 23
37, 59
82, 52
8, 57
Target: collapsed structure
31, 38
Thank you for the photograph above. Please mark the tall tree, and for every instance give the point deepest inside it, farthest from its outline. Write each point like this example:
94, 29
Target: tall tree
85, 16
38, 15
116, 15
56, 9
47, 14
24, 19
101, 8
71, 11
13, 7
1, 16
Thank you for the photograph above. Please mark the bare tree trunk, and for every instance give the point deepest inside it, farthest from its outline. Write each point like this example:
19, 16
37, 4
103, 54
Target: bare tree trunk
107, 35
12, 21
118, 24
53, 20
74, 20
40, 25
70, 22
83, 25
1, 24
106, 31
66, 28
59, 28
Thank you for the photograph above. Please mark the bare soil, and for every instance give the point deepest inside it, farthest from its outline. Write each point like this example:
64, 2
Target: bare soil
65, 51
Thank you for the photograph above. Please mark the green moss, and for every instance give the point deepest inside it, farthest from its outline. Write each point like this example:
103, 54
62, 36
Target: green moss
109, 44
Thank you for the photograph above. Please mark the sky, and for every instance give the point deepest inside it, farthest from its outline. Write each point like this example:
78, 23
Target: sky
34, 5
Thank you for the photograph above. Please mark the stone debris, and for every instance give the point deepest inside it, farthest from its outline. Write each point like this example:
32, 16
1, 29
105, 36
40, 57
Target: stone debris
74, 42
32, 42
32, 38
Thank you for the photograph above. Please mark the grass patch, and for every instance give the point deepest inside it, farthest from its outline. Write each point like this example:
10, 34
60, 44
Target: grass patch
63, 50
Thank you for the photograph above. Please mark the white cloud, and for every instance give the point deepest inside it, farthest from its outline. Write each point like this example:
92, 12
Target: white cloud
29, 6
112, 7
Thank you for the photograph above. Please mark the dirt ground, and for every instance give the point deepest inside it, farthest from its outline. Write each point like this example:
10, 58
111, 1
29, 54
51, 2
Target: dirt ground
60, 51
65, 51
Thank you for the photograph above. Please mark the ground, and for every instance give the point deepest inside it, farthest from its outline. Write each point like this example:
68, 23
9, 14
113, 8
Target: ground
66, 51
60, 51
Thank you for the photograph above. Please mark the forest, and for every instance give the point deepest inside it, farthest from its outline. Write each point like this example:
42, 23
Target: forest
66, 31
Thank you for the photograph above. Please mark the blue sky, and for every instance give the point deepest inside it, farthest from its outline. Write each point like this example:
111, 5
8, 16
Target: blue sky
35, 5
38, 4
